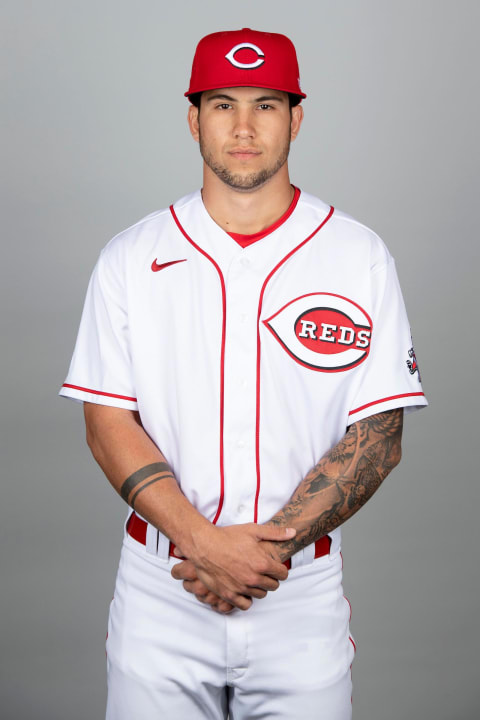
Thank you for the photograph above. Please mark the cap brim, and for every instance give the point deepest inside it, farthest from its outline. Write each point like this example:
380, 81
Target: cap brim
300, 94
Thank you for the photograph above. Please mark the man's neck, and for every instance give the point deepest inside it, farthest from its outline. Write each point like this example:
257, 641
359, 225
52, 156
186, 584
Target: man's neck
247, 212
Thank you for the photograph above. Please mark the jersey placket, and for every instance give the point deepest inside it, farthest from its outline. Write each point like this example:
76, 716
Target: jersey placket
243, 284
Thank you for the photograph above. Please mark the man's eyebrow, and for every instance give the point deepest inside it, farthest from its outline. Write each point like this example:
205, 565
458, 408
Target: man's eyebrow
264, 98
220, 96
229, 98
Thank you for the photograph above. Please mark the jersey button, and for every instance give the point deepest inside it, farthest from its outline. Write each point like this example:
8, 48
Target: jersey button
246, 262
241, 443
244, 383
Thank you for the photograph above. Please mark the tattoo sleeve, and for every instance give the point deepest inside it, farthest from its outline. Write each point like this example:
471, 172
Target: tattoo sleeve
141, 479
343, 480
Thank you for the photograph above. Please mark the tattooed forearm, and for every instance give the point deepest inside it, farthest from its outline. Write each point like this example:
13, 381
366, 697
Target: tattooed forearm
139, 480
344, 479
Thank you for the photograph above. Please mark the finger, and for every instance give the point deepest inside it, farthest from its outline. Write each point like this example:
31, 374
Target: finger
215, 603
196, 587
277, 571
212, 599
257, 592
242, 602
203, 599
265, 582
274, 533
216, 609
184, 571
224, 607
269, 572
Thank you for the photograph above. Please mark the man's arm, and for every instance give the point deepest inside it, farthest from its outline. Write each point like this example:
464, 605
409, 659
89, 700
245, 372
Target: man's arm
336, 488
342, 482
231, 561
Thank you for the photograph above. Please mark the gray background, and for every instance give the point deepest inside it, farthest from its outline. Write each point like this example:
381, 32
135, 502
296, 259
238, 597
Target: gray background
95, 138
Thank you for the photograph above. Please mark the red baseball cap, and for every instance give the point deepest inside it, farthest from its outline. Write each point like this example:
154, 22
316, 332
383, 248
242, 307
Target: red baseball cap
245, 58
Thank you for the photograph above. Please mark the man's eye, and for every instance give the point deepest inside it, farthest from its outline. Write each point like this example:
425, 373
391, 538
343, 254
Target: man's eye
224, 106
264, 106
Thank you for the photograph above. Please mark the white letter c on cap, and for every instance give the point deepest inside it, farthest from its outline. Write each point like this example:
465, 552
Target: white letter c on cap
246, 66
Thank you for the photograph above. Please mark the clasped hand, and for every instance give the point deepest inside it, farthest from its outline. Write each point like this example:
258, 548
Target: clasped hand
231, 565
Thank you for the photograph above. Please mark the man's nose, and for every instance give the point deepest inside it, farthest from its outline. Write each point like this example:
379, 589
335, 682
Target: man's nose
243, 126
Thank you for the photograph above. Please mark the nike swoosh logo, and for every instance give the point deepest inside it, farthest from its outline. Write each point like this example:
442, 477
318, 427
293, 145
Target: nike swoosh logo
156, 267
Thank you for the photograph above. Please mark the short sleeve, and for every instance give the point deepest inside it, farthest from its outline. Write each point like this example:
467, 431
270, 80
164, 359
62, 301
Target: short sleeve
390, 376
101, 367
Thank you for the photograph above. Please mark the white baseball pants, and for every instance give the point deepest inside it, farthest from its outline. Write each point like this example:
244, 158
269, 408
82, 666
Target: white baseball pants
170, 657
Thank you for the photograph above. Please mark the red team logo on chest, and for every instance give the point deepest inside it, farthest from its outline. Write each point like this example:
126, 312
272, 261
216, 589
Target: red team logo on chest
323, 331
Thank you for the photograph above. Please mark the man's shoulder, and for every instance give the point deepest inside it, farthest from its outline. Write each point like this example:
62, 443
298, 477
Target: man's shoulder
146, 230
347, 229
339, 216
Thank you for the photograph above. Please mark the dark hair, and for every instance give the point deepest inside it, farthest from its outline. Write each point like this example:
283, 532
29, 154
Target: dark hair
195, 99
292, 99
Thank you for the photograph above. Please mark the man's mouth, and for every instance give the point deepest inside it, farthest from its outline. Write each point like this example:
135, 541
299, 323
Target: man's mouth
244, 153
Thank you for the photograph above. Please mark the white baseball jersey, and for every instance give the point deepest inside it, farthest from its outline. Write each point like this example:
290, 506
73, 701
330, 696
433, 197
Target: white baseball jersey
245, 364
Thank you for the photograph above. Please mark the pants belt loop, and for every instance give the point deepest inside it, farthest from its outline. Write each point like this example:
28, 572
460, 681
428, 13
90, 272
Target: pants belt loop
305, 556
163, 547
335, 546
151, 542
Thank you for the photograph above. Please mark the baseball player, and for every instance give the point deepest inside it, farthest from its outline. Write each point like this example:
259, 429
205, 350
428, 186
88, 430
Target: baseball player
244, 359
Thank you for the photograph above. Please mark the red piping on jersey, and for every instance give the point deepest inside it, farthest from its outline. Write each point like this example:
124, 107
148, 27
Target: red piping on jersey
386, 399
262, 292
222, 359
98, 392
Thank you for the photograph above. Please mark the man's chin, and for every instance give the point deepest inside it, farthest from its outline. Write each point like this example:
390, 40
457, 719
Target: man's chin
244, 182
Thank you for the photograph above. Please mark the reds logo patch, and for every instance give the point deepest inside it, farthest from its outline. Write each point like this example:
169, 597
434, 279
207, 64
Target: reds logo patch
246, 65
412, 363
323, 331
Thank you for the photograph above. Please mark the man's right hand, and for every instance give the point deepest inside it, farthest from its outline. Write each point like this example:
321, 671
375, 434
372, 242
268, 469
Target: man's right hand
186, 571
234, 563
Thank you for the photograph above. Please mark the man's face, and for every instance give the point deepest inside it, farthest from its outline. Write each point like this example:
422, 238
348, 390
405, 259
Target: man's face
244, 134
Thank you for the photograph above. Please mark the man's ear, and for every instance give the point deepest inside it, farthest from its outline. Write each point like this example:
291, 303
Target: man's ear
193, 122
297, 117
